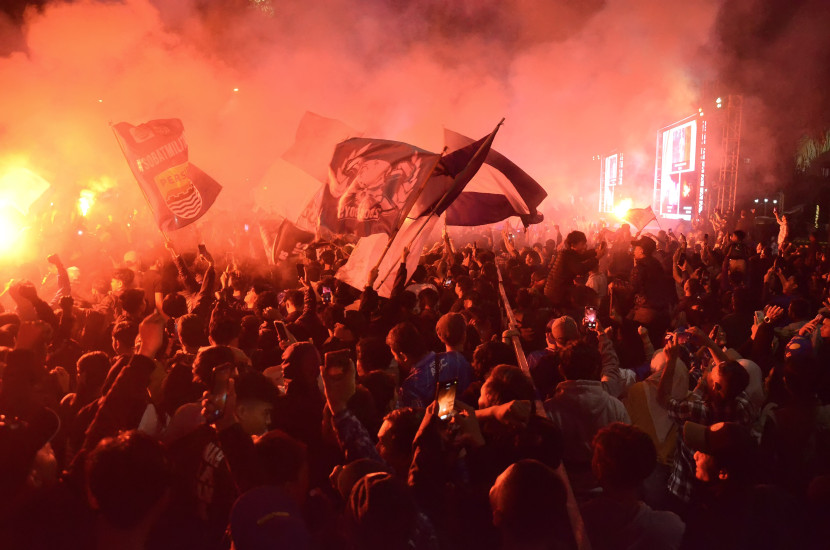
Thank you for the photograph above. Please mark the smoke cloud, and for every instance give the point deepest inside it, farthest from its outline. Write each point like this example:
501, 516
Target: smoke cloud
776, 53
573, 78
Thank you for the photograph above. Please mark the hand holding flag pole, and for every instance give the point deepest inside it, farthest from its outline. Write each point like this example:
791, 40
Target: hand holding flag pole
143, 192
407, 208
177, 192
459, 182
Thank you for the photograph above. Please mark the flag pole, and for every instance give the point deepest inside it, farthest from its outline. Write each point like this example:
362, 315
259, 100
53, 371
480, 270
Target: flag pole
439, 204
403, 215
146, 198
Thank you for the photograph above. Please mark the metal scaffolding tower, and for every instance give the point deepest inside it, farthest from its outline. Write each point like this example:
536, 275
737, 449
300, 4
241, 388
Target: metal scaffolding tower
727, 187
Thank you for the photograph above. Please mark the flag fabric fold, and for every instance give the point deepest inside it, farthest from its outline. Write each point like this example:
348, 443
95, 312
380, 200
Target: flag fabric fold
372, 183
314, 143
289, 242
499, 190
454, 173
640, 217
177, 192
414, 233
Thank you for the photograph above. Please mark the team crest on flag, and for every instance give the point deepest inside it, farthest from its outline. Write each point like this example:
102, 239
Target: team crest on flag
178, 192
370, 184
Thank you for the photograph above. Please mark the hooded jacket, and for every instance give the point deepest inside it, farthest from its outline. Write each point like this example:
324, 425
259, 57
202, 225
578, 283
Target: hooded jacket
580, 408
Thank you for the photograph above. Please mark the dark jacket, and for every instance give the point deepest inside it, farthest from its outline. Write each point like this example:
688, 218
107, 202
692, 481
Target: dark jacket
124, 404
650, 284
569, 264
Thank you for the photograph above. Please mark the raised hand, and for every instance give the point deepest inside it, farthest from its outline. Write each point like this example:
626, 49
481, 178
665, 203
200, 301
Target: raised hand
513, 413
672, 348
467, 430
773, 313
339, 384
151, 333
220, 410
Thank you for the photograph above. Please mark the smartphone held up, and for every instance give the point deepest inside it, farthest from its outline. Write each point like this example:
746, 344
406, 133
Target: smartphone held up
445, 397
221, 382
590, 318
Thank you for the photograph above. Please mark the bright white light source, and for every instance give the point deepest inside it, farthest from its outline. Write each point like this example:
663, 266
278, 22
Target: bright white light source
621, 208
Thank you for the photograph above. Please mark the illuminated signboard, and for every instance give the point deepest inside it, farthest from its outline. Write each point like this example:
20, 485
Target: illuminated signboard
680, 168
611, 177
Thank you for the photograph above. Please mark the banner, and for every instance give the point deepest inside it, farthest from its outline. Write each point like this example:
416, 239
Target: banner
290, 242
178, 192
454, 173
314, 144
413, 234
372, 182
640, 217
499, 190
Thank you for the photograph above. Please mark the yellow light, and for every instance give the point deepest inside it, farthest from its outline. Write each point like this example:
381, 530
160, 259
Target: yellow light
20, 187
85, 201
11, 231
236, 89
621, 208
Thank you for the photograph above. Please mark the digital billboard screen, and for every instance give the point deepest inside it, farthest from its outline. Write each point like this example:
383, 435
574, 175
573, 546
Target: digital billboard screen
679, 171
611, 178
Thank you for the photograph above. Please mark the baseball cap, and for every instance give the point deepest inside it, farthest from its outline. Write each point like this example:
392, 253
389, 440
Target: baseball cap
646, 243
799, 347
724, 440
265, 518
344, 478
564, 327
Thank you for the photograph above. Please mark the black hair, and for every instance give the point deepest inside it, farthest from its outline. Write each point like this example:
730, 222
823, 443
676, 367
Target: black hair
281, 457
490, 354
127, 476
381, 385
374, 354
508, 383
125, 333
405, 338
132, 301
581, 361
255, 386
574, 238
223, 330
174, 305
736, 376
125, 275
624, 456
208, 359
403, 426
191, 329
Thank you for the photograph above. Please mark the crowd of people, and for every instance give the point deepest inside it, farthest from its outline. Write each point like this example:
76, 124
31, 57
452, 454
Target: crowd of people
654, 391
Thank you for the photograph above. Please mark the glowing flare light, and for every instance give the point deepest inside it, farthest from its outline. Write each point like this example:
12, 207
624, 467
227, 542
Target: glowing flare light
621, 208
85, 201
11, 231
